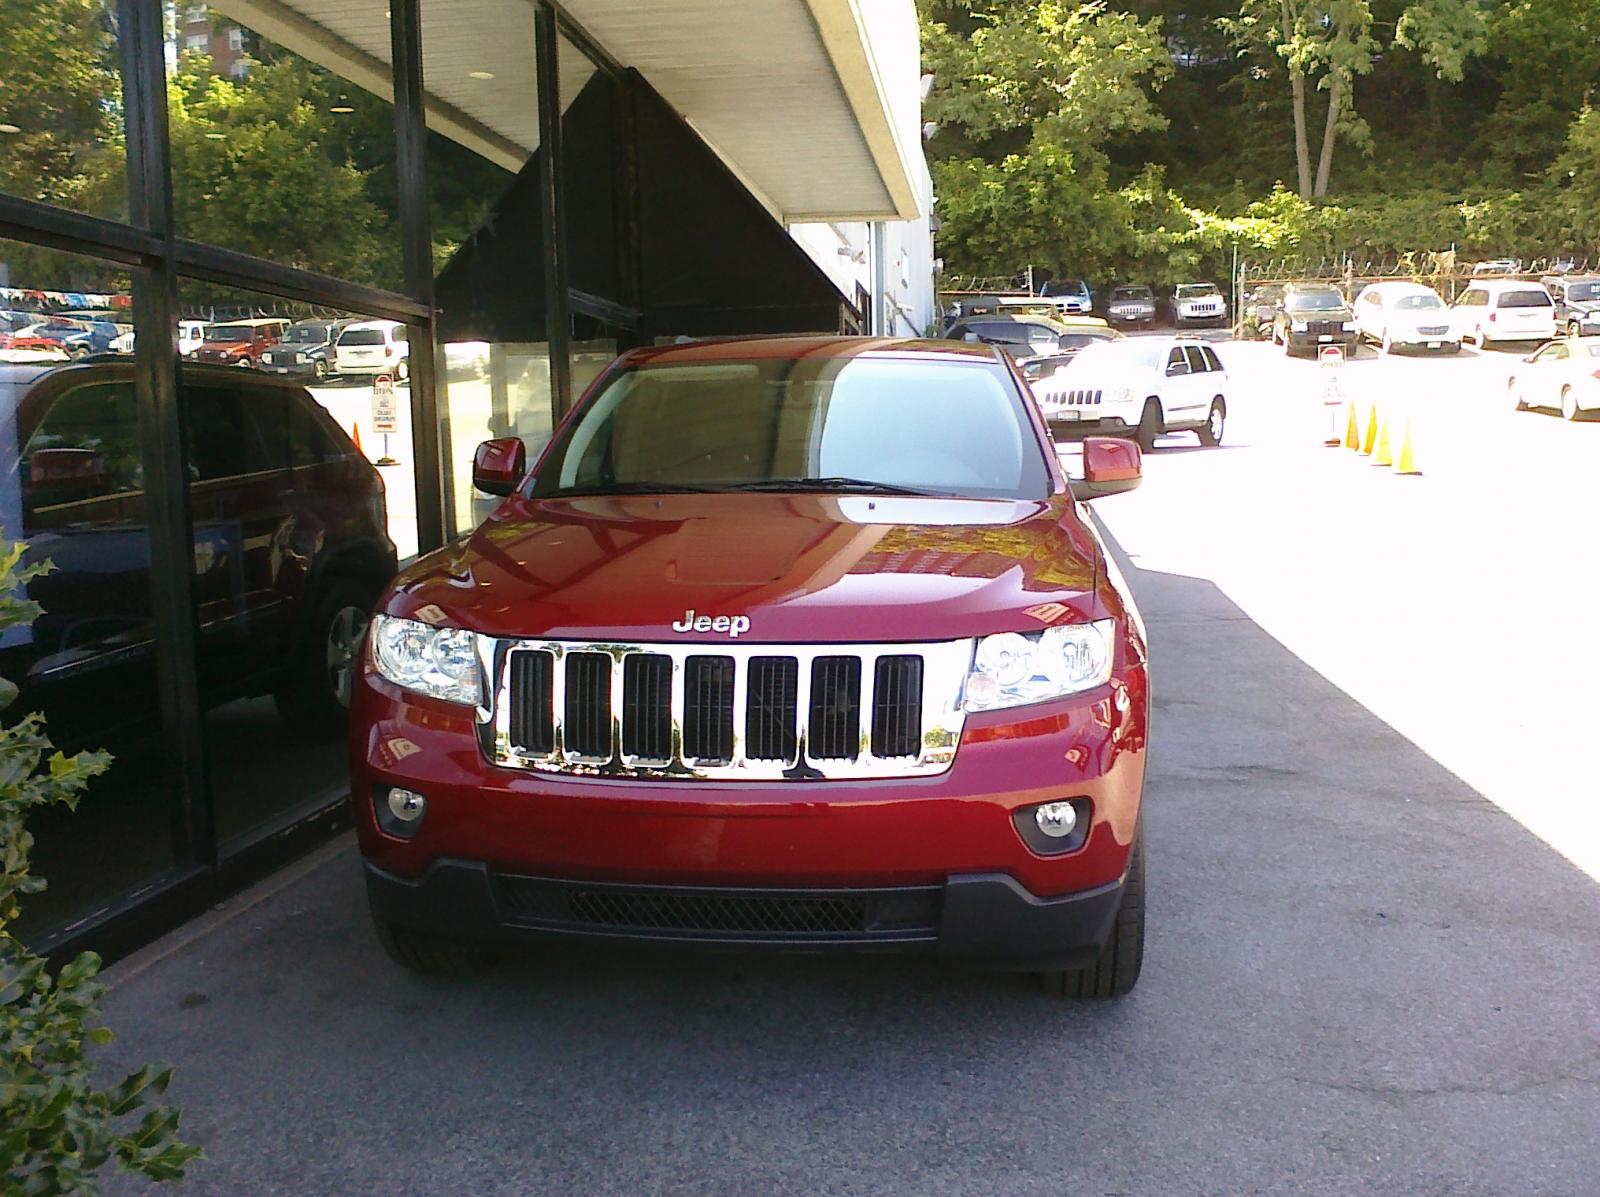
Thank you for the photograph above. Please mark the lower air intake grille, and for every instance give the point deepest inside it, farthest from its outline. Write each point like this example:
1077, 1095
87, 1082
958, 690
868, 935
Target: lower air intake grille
706, 912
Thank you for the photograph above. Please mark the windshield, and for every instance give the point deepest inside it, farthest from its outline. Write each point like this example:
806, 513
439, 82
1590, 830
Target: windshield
1314, 301
361, 336
1064, 286
1115, 355
306, 334
1582, 292
228, 332
1195, 290
826, 424
1418, 303
1131, 293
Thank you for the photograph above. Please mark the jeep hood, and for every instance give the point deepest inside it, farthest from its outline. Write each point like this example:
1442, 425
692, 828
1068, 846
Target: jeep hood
801, 568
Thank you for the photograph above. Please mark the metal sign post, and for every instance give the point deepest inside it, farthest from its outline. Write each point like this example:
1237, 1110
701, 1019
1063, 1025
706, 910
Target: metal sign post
385, 416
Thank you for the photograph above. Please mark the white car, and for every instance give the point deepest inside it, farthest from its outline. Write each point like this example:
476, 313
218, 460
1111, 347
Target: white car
190, 335
1505, 310
122, 343
373, 347
1198, 303
1405, 315
1147, 385
1564, 374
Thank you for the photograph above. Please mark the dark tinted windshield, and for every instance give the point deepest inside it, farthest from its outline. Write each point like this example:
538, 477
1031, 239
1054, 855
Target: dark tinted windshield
946, 428
1131, 293
1064, 286
1195, 290
306, 334
1314, 301
228, 332
1531, 298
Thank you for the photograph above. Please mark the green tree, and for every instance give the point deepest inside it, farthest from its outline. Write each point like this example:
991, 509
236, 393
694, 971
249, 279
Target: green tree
58, 1130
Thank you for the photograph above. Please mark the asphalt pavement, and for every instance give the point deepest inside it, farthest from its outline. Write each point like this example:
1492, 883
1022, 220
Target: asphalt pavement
1363, 975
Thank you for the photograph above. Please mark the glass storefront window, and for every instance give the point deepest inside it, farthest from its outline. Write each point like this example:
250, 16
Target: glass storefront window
72, 485
61, 128
279, 156
299, 498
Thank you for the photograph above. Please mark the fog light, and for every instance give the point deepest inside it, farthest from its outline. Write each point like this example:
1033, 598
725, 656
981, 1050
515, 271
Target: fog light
1056, 819
408, 806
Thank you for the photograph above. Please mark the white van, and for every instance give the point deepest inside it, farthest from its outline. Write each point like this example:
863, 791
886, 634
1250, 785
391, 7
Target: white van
1505, 310
373, 347
1405, 315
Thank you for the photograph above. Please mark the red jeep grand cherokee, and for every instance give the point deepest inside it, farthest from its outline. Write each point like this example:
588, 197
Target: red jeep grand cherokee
798, 643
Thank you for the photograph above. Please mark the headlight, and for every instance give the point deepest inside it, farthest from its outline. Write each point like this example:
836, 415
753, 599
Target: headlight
441, 662
1297, 326
1011, 669
299, 359
1349, 326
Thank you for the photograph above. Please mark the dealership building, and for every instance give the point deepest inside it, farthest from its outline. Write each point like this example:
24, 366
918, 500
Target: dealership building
497, 197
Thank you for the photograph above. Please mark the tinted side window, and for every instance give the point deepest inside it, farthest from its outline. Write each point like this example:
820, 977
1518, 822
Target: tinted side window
1176, 358
1197, 361
223, 442
310, 442
1525, 299
1212, 360
99, 425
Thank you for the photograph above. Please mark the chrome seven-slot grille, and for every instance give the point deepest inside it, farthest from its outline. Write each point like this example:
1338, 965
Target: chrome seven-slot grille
715, 712
1078, 398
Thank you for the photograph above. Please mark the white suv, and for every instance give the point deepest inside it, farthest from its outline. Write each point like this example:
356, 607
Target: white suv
1198, 303
1405, 315
373, 347
1149, 384
1505, 310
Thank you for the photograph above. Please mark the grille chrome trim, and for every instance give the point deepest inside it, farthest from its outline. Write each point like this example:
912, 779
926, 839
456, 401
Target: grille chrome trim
944, 669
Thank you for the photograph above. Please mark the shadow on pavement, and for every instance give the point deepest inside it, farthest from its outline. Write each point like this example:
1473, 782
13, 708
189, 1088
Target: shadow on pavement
1360, 977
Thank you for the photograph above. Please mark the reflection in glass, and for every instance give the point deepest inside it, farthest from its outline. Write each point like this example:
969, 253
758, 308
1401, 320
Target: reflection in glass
72, 485
61, 134
292, 546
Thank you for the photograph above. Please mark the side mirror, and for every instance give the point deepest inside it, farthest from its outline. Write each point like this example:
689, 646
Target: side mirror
1177, 369
1111, 466
498, 465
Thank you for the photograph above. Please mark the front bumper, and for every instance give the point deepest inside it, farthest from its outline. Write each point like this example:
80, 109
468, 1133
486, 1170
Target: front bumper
500, 850
985, 919
1075, 430
1217, 318
1351, 341
372, 368
1132, 317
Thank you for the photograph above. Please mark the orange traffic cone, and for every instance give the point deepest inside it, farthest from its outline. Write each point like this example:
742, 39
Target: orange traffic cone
355, 435
1407, 461
1371, 438
1352, 429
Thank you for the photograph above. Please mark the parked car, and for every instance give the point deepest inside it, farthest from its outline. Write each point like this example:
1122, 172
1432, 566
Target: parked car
935, 628
304, 349
1314, 315
1564, 375
1146, 385
1505, 310
1019, 336
1405, 315
290, 546
1198, 303
1132, 304
373, 347
1071, 296
78, 337
238, 342
1577, 300
1042, 366
191, 335
1494, 266
123, 343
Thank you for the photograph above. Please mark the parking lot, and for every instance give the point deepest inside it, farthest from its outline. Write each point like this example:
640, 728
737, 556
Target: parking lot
1374, 933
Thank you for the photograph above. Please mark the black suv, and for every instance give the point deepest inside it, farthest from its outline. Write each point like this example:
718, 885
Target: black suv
1314, 315
290, 546
1577, 299
304, 350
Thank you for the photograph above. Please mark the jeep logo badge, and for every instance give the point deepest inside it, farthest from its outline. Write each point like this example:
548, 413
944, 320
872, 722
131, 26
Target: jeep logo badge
733, 625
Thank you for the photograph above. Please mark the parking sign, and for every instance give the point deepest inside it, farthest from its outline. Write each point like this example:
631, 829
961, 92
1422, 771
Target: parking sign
385, 418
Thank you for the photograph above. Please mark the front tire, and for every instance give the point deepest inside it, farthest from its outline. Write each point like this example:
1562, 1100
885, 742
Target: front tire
1149, 425
315, 697
1216, 419
1116, 972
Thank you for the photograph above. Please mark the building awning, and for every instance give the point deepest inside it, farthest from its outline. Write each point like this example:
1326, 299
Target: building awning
795, 96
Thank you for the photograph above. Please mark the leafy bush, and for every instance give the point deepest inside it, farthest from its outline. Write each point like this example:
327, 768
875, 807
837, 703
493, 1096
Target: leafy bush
57, 1130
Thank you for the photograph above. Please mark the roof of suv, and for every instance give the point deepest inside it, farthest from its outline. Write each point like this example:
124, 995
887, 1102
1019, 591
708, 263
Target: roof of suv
1496, 286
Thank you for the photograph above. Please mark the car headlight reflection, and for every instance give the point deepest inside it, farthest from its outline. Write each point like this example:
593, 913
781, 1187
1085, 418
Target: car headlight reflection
1010, 669
439, 662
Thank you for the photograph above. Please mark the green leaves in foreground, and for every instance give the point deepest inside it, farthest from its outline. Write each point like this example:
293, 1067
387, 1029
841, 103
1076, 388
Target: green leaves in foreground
58, 1131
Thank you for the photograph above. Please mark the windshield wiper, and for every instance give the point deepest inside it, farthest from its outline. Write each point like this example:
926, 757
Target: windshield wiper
860, 486
630, 488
